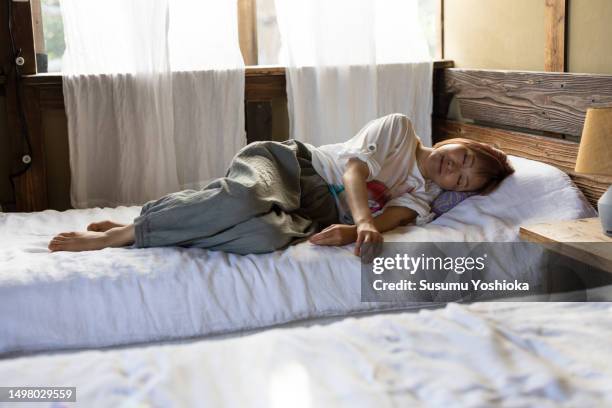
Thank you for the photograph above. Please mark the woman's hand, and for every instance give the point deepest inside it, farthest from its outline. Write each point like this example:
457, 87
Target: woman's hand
341, 234
367, 233
335, 235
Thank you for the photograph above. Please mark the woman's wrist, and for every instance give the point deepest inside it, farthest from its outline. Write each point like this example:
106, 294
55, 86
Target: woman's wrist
364, 220
368, 225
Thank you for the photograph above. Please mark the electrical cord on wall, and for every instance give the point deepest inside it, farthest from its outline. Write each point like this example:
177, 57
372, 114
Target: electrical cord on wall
16, 62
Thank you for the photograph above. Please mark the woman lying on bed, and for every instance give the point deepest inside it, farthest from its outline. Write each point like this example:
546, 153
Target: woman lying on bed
276, 193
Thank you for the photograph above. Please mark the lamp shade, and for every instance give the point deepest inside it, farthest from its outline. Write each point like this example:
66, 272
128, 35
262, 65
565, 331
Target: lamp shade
595, 153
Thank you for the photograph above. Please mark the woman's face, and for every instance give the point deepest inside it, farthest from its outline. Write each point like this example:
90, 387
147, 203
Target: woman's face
454, 167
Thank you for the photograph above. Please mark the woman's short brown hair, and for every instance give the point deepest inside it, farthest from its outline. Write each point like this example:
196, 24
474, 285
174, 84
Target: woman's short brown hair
496, 166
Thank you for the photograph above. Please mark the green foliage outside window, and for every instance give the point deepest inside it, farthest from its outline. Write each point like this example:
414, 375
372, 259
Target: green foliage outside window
53, 29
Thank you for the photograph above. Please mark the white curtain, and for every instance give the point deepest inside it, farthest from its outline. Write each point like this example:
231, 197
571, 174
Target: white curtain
350, 61
154, 94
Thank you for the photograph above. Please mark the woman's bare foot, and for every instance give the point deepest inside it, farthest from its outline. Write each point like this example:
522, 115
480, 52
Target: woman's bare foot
103, 226
92, 240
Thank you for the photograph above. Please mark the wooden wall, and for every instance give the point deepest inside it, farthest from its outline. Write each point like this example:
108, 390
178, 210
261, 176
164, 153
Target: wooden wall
5, 188
5, 145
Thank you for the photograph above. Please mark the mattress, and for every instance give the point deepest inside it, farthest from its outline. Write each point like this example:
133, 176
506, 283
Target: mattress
487, 354
118, 296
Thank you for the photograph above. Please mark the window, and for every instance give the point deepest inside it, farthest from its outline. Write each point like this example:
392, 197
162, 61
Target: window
53, 32
268, 36
268, 41
428, 10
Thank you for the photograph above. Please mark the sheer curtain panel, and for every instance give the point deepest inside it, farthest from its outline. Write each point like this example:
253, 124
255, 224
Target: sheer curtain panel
350, 61
154, 94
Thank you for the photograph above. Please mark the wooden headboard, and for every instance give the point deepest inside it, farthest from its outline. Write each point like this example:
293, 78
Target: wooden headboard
536, 115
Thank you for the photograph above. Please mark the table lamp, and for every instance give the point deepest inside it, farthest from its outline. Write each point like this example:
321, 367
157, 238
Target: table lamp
595, 157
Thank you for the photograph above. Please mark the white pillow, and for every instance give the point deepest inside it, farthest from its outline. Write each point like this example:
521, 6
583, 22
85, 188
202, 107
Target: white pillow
536, 192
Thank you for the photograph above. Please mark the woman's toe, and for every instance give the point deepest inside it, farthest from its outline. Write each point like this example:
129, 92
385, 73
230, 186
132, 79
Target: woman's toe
100, 226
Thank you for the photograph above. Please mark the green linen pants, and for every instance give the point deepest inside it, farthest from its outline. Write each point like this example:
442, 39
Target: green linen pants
270, 197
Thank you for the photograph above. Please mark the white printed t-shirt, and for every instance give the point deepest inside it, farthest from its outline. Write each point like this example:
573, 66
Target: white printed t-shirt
388, 146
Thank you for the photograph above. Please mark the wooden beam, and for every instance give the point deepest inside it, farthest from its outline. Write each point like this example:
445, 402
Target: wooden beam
262, 83
247, 30
542, 101
5, 134
559, 153
32, 185
440, 30
555, 29
37, 25
5, 62
24, 35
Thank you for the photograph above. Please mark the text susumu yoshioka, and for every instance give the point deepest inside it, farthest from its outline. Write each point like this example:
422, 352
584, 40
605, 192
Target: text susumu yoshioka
473, 284
452, 271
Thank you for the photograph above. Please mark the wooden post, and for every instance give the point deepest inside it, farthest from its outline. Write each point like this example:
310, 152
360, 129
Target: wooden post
440, 30
24, 35
37, 25
247, 30
554, 25
30, 186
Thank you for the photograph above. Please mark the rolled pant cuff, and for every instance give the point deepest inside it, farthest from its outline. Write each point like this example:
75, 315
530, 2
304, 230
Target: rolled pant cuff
141, 229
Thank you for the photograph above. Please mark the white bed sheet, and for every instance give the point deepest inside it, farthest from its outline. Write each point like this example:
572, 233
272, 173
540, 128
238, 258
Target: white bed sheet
487, 354
120, 296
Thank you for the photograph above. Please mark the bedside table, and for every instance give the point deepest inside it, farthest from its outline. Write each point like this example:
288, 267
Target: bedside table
582, 240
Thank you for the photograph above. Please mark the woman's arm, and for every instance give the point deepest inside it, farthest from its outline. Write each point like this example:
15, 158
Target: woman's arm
342, 234
393, 217
366, 228
354, 179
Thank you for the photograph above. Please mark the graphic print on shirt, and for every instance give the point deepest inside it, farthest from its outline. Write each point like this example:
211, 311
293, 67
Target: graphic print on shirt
378, 196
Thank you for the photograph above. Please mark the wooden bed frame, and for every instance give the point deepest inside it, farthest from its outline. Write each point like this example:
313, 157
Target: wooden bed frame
536, 115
